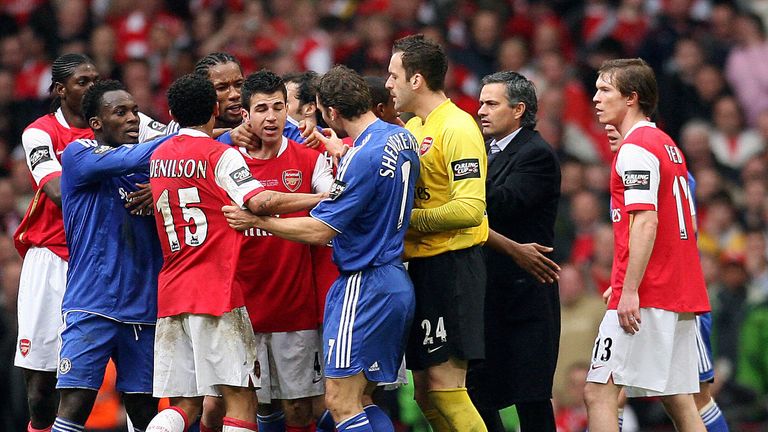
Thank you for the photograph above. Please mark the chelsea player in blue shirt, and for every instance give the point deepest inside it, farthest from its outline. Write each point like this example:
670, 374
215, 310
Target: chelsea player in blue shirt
370, 306
110, 306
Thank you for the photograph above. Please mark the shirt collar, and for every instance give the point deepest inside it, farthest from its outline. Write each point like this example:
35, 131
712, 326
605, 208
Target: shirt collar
640, 124
193, 132
504, 142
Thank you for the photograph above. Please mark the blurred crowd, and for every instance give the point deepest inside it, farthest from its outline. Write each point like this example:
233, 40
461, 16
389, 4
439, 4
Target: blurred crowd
711, 61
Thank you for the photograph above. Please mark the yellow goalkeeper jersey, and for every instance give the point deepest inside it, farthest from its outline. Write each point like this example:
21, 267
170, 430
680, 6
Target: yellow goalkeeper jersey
449, 206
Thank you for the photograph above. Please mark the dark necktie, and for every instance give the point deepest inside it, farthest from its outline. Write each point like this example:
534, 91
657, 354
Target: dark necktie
495, 150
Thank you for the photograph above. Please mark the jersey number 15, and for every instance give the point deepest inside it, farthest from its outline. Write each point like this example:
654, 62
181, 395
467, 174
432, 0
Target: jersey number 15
192, 215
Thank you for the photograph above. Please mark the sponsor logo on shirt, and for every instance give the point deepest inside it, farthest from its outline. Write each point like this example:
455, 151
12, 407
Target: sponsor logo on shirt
640, 180
292, 179
337, 188
465, 168
39, 155
156, 125
426, 144
24, 345
102, 149
241, 175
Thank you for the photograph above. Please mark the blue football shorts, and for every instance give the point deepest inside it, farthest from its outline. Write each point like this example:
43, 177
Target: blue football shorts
367, 317
88, 341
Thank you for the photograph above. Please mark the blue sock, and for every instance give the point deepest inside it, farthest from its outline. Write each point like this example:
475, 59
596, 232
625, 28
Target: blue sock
62, 425
358, 423
274, 422
713, 418
379, 420
325, 423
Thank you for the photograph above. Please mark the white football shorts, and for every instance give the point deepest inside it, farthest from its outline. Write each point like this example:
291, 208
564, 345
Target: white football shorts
291, 365
661, 359
196, 353
41, 290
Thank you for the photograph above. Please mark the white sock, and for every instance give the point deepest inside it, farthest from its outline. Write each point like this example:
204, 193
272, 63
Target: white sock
168, 420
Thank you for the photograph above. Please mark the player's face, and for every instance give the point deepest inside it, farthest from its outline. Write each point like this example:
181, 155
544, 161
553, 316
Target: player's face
294, 105
74, 87
497, 118
118, 119
398, 84
387, 112
331, 119
227, 79
614, 137
610, 104
267, 116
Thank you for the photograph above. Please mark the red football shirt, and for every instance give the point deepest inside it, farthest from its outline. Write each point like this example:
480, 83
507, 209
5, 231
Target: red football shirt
192, 177
649, 173
280, 296
43, 141
325, 270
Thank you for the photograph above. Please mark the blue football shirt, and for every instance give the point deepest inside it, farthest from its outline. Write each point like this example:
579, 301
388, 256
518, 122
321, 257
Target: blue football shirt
372, 197
115, 257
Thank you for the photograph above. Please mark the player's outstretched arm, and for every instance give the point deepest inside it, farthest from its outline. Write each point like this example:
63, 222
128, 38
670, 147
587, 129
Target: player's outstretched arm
270, 202
529, 256
87, 162
302, 229
642, 236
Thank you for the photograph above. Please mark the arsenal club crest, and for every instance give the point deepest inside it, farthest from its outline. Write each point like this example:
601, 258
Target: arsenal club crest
24, 345
292, 179
425, 145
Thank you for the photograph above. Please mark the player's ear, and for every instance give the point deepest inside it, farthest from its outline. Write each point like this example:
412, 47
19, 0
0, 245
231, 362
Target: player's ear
244, 113
94, 123
58, 89
308, 110
416, 81
216, 109
633, 98
519, 110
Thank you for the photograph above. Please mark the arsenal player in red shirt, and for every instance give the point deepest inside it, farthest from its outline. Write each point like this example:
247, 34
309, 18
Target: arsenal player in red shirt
646, 342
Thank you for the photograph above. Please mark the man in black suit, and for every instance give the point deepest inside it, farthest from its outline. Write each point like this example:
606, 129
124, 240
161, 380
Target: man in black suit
522, 310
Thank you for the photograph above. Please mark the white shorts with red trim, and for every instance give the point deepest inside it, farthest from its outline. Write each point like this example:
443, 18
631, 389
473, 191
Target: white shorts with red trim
661, 359
291, 365
194, 354
41, 290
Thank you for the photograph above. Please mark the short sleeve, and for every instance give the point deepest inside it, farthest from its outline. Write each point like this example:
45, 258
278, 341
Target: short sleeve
639, 171
233, 175
322, 175
40, 154
149, 128
350, 192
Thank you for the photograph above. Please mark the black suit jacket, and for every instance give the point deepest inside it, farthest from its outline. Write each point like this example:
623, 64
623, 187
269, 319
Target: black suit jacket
522, 316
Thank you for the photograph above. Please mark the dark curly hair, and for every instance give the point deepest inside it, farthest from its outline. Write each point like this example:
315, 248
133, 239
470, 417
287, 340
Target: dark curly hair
192, 100
263, 81
345, 90
91, 104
